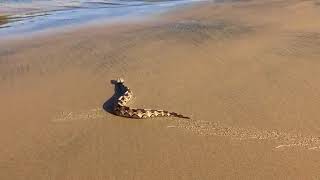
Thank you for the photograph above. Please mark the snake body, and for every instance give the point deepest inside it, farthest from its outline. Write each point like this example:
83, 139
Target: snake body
121, 108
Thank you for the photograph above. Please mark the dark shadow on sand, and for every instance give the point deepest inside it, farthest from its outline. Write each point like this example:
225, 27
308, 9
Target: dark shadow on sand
109, 105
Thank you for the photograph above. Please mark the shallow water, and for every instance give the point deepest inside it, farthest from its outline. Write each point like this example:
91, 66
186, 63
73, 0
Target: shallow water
38, 15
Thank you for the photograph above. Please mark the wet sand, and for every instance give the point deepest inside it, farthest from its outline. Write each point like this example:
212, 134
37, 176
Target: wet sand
247, 73
36, 17
3, 19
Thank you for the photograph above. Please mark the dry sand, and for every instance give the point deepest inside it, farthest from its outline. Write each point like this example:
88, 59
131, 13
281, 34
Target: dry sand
247, 72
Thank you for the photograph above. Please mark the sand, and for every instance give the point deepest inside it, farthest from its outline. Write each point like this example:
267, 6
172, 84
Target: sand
247, 73
3, 19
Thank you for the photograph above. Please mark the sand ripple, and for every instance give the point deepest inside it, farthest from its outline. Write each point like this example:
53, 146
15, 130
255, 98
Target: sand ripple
281, 139
79, 116
206, 128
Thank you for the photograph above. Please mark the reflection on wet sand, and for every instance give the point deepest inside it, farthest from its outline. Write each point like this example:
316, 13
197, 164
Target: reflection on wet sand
44, 15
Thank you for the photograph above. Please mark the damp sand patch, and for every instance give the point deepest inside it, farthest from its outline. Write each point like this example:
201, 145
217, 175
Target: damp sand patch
197, 32
3, 19
298, 44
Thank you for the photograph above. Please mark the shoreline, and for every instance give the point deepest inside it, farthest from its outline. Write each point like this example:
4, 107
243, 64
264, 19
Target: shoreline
43, 22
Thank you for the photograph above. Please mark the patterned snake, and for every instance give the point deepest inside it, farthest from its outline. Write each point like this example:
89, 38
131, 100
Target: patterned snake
121, 108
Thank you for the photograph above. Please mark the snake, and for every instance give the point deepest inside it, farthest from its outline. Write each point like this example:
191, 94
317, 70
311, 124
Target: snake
122, 109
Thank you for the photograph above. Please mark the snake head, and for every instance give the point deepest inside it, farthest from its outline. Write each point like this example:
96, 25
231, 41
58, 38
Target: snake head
116, 81
120, 80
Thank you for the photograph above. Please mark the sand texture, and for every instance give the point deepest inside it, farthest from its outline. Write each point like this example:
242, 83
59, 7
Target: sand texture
3, 19
247, 72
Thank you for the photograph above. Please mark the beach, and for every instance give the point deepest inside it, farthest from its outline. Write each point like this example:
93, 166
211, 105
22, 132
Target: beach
246, 72
26, 17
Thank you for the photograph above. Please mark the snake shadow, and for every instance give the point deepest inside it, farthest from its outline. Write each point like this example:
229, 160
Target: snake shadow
119, 90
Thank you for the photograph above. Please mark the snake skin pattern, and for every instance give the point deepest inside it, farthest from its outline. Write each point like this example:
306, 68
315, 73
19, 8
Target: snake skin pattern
121, 108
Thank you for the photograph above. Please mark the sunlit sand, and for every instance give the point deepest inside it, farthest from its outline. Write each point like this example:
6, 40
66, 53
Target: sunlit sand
246, 72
